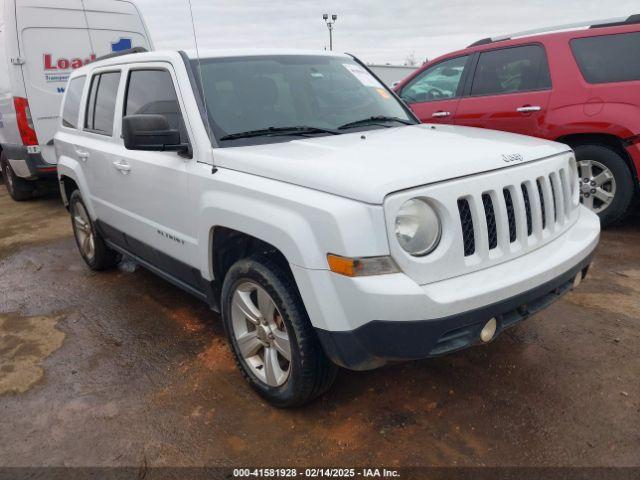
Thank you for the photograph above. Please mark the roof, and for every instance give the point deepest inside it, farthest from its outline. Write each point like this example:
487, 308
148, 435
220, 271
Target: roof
611, 22
136, 55
253, 52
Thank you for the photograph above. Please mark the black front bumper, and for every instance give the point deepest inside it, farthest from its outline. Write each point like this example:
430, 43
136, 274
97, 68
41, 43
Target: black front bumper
379, 342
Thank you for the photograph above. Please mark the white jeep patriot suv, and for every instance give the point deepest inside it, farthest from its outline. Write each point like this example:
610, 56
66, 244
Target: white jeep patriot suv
298, 196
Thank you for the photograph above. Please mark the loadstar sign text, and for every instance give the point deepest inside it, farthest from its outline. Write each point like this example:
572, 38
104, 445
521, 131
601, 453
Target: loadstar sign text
65, 63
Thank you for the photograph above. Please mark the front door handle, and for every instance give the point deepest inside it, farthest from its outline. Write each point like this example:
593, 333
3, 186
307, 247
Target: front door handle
529, 109
82, 154
123, 167
440, 114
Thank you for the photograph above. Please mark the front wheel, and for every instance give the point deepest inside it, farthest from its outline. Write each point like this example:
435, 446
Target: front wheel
606, 183
272, 339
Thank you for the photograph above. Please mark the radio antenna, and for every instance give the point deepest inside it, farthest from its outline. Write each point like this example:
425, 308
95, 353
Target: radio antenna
204, 98
86, 22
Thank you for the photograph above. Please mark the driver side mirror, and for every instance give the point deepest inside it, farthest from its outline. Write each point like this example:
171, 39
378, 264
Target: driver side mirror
151, 133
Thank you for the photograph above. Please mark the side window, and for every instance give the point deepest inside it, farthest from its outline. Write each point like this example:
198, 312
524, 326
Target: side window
608, 58
511, 70
152, 92
436, 83
71, 108
101, 106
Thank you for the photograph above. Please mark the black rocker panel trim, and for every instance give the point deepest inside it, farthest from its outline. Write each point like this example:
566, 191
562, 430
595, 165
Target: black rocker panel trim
179, 273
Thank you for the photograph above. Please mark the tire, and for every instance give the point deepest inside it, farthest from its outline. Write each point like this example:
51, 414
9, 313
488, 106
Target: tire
309, 373
19, 189
99, 256
620, 184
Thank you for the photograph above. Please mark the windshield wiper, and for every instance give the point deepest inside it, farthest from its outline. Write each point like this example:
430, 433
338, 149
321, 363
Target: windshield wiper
273, 131
375, 119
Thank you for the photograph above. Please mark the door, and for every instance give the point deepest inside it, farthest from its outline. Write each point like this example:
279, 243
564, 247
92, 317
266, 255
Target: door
97, 144
148, 194
73, 145
510, 91
433, 95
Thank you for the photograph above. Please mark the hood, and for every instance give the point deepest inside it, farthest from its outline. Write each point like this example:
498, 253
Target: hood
367, 166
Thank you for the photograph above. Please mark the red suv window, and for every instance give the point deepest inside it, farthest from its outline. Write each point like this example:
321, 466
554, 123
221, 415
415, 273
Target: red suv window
511, 70
608, 58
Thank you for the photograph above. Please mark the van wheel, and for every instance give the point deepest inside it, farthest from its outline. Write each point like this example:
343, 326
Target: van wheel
606, 185
271, 336
94, 251
19, 188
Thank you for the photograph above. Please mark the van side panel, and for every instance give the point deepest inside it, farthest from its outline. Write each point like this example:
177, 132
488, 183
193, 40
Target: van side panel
115, 25
58, 37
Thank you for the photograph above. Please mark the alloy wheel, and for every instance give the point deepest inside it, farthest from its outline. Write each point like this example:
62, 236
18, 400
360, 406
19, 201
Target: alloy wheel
83, 231
261, 334
597, 185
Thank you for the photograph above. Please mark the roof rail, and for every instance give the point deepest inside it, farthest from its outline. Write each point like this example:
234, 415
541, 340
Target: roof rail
128, 51
611, 22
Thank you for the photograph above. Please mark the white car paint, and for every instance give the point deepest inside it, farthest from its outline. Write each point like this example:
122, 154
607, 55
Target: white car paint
385, 160
336, 195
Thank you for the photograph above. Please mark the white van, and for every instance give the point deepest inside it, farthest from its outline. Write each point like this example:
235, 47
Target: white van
41, 43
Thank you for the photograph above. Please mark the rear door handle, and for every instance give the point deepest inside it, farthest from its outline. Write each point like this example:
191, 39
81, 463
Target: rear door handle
82, 154
529, 108
123, 167
440, 114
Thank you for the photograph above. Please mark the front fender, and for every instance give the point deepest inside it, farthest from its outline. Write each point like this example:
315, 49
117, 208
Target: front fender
303, 224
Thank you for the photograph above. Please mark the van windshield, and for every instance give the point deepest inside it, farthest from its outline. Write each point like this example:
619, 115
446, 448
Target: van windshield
266, 99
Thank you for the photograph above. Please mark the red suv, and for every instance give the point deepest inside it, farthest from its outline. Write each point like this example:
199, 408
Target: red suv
580, 87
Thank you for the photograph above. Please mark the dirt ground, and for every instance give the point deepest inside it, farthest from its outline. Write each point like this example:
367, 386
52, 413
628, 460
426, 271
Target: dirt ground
121, 368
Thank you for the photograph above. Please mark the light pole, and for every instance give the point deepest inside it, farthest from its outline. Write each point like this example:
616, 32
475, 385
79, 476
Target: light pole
330, 23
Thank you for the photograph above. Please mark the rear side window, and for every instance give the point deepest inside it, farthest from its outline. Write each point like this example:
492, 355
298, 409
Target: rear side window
608, 58
101, 106
71, 108
152, 92
511, 70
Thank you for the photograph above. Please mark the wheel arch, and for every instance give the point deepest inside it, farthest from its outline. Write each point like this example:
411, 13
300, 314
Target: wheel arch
607, 140
229, 245
67, 186
70, 177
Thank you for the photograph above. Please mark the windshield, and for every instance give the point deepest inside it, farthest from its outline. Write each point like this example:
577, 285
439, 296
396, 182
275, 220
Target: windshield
312, 95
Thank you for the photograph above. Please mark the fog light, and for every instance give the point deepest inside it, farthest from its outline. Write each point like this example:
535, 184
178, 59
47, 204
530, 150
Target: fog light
578, 280
489, 330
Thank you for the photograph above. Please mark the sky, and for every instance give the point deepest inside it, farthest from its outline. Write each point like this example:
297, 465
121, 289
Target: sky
377, 31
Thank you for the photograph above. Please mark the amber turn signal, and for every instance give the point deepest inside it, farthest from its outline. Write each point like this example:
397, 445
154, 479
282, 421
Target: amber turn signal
358, 267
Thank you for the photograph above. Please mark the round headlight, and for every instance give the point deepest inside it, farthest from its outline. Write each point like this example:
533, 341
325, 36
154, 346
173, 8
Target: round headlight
418, 227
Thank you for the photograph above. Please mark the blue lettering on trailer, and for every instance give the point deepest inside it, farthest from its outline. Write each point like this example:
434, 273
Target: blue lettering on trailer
122, 44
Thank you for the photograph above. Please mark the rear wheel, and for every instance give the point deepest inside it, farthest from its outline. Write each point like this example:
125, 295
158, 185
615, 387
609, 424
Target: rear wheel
274, 344
606, 183
19, 188
94, 251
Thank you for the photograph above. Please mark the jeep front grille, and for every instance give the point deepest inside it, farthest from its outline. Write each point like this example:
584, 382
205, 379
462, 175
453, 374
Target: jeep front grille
516, 213
467, 227
511, 215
